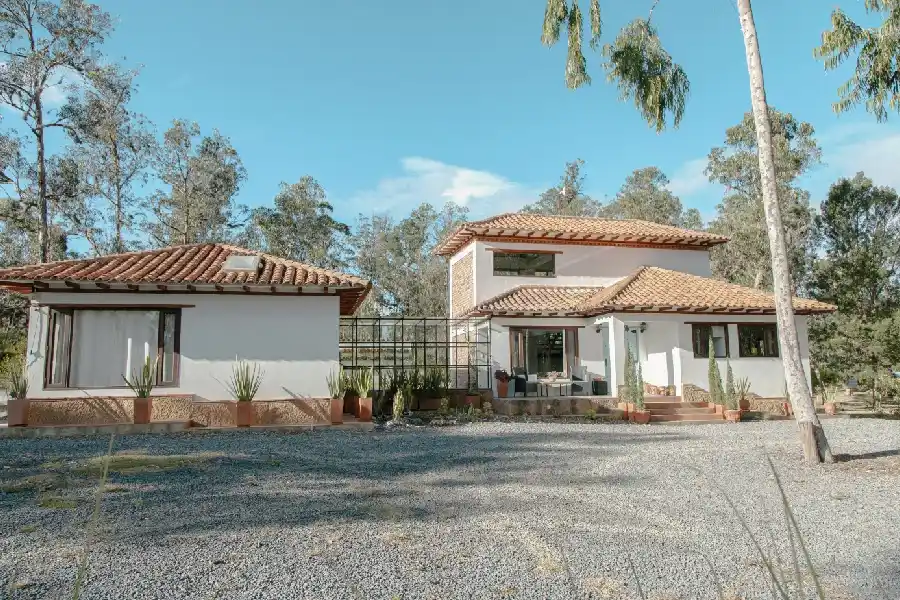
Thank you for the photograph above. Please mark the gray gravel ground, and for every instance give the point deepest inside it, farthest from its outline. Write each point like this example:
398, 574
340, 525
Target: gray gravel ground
491, 510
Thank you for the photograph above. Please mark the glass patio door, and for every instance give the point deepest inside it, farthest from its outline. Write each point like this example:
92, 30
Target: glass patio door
537, 351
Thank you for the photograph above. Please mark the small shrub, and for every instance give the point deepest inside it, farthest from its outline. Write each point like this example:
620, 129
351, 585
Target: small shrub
732, 400
444, 410
591, 414
399, 404
716, 390
246, 378
142, 382
365, 379
14, 375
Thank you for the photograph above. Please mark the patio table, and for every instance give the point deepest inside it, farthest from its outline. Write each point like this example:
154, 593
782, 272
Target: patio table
560, 384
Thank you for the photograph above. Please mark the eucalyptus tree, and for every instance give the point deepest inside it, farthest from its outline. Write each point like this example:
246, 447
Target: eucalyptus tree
114, 150
646, 74
568, 197
203, 175
645, 196
45, 47
876, 77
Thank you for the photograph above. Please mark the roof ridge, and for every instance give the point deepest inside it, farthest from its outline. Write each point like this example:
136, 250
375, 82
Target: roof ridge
106, 256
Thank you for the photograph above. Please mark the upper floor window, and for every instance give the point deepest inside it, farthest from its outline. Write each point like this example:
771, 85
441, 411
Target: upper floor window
525, 264
701, 335
758, 340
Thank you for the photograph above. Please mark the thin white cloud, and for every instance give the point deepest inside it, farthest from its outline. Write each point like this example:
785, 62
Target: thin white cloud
689, 179
428, 180
871, 150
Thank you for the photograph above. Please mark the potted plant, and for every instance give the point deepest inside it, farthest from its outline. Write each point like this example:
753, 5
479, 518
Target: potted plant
246, 378
336, 382
828, 403
732, 406
625, 391
16, 378
502, 378
365, 379
141, 383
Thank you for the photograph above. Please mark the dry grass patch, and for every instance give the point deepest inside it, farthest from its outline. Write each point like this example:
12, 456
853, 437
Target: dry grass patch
56, 502
42, 482
130, 463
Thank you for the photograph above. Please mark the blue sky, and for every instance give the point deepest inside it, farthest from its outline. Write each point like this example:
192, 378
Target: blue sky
392, 103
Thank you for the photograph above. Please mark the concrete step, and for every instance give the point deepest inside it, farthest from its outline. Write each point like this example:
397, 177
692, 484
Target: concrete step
704, 418
664, 404
682, 411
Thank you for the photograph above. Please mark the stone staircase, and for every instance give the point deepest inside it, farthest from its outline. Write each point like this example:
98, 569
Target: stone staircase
667, 409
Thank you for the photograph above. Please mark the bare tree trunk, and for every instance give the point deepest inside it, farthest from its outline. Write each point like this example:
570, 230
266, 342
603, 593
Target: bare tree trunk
812, 436
119, 244
44, 232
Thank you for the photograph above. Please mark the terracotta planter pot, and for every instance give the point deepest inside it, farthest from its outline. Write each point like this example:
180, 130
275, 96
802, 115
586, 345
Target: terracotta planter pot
830, 408
351, 403
788, 409
142, 409
243, 414
337, 411
502, 388
744, 404
720, 409
17, 412
623, 406
733, 416
641, 417
364, 409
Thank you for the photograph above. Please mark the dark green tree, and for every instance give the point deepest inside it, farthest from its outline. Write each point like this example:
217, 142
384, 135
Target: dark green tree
644, 196
568, 197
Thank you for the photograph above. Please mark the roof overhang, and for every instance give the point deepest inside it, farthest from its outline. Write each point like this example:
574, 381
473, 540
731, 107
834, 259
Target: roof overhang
351, 296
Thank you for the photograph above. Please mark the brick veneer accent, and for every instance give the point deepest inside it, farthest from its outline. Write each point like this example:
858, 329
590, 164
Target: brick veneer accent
462, 286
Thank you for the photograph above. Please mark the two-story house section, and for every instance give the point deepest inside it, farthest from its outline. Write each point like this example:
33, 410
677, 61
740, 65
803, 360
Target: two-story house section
570, 294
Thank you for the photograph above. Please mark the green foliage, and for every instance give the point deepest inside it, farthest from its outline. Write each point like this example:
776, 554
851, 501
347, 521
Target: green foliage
741, 390
732, 399
568, 197
245, 380
746, 258
300, 226
646, 73
386, 252
638, 390
435, 383
444, 409
337, 383
365, 380
635, 61
634, 383
14, 376
644, 196
876, 79
143, 381
400, 400
716, 391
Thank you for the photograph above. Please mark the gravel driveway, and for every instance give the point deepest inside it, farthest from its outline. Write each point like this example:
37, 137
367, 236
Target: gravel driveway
492, 510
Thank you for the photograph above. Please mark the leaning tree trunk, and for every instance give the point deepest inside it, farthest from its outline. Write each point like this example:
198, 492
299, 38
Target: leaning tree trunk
812, 436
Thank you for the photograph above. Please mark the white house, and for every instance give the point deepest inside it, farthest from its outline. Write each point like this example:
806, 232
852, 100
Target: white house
197, 307
569, 294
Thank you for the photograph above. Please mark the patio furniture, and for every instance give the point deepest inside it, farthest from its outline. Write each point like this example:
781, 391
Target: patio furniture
522, 383
558, 383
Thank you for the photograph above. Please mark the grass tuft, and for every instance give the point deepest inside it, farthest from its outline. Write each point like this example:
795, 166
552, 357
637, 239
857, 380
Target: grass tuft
56, 502
128, 464
42, 482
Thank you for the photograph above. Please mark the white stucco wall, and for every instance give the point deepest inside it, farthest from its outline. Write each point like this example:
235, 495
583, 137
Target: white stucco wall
293, 339
667, 355
581, 265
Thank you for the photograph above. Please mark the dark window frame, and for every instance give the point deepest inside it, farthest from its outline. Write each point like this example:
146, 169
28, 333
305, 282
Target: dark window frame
551, 256
71, 312
702, 351
770, 347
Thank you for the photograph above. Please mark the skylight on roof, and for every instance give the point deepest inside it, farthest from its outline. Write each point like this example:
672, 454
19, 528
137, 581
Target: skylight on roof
236, 263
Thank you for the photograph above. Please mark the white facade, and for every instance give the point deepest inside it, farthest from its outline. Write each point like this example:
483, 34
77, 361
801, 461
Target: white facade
579, 265
294, 340
664, 347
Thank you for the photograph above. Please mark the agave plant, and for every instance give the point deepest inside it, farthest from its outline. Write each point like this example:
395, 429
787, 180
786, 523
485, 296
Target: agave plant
246, 378
741, 389
336, 383
16, 378
365, 379
142, 382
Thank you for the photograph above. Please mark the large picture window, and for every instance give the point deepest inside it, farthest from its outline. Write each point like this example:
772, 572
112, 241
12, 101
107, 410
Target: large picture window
525, 264
701, 335
758, 340
88, 348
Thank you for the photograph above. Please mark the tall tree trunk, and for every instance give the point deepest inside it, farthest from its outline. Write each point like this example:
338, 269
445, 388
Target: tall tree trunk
44, 232
812, 436
119, 244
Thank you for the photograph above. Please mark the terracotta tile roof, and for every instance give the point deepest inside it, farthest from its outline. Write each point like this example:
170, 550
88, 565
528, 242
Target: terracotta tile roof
647, 289
191, 264
538, 299
653, 288
575, 230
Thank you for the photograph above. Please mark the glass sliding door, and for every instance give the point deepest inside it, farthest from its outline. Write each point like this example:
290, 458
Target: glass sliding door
537, 351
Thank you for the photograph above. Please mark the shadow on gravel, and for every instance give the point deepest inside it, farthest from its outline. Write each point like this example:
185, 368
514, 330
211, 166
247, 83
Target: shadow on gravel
866, 456
276, 480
